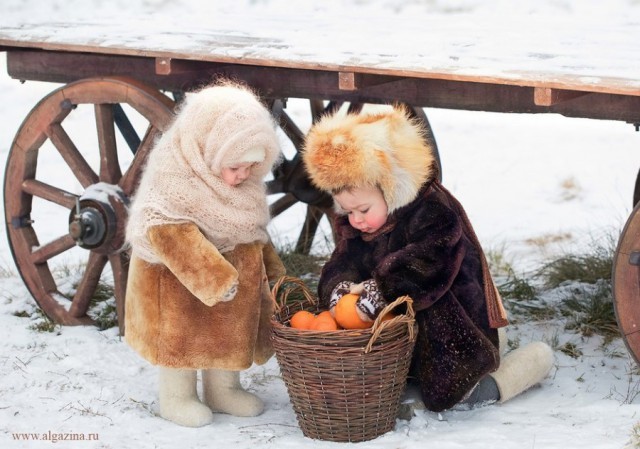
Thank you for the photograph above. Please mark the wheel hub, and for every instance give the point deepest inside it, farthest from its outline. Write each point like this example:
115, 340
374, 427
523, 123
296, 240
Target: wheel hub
97, 222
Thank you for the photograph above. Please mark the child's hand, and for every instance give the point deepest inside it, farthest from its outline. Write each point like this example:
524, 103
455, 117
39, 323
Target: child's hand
341, 289
231, 293
370, 302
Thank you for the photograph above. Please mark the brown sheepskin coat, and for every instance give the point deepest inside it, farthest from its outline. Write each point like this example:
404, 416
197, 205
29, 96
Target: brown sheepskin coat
174, 316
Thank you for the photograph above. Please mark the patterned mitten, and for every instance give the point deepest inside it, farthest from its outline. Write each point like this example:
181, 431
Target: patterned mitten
341, 289
370, 302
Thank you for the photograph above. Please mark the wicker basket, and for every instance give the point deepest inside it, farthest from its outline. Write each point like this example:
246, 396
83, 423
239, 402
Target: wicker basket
344, 385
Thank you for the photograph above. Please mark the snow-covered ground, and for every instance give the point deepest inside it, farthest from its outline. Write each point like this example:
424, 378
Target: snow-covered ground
524, 180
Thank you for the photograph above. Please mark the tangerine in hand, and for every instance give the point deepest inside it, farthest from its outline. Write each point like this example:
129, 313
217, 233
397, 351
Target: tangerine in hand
346, 314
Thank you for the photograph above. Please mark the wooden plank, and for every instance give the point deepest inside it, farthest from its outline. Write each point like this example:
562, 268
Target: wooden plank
431, 53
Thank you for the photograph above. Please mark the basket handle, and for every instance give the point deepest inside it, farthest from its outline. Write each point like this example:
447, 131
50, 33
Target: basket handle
298, 285
379, 325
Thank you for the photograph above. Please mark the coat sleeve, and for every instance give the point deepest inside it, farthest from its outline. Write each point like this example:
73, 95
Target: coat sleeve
272, 263
427, 265
193, 260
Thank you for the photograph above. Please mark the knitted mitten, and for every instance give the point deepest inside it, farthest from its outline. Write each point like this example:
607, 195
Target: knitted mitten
341, 289
370, 302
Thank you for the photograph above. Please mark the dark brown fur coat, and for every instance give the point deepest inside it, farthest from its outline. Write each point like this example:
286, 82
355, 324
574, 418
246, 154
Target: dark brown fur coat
174, 316
427, 249
428, 257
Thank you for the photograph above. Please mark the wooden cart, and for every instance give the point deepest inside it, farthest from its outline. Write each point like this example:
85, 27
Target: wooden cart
119, 71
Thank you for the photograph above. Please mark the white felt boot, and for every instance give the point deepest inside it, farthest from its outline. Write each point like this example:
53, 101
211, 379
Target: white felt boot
179, 398
223, 393
522, 368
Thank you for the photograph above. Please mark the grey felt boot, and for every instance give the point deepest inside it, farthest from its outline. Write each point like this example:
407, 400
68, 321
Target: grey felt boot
522, 368
518, 371
179, 398
223, 393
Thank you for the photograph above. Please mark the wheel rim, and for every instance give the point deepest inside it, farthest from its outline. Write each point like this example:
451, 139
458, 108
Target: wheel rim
291, 179
103, 179
626, 284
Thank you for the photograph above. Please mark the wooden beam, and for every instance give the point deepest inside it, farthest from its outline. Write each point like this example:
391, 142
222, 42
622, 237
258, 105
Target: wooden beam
547, 96
276, 82
351, 81
170, 66
347, 81
163, 66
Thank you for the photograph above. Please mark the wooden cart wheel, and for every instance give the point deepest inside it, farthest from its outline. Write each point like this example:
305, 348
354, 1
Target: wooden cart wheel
291, 179
626, 284
101, 172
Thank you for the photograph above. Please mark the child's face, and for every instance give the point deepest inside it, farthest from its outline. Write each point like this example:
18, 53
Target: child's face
236, 174
365, 206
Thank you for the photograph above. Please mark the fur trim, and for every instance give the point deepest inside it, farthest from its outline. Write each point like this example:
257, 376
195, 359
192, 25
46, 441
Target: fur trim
387, 150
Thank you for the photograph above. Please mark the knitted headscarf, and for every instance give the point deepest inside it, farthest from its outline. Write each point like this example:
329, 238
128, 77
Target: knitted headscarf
218, 126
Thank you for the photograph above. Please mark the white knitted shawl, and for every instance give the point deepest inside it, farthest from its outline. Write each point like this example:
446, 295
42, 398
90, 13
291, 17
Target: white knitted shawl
181, 181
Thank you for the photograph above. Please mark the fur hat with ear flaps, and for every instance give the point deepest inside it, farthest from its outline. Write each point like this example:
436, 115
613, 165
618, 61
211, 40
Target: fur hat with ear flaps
385, 149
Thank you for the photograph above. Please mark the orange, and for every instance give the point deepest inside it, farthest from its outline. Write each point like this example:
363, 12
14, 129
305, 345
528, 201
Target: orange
325, 313
346, 314
325, 322
302, 320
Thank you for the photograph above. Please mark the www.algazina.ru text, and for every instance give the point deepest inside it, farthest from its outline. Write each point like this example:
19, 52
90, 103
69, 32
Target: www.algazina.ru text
54, 437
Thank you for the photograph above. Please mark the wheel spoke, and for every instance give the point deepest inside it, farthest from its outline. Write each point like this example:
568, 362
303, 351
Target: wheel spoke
333, 107
355, 108
109, 165
131, 178
317, 109
126, 128
52, 249
281, 204
79, 166
88, 284
308, 231
120, 268
49, 193
291, 130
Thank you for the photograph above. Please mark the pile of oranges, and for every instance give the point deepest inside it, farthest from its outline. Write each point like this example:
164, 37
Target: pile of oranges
304, 319
346, 317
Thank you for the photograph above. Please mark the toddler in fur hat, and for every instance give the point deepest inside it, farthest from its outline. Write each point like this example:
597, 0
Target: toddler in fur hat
400, 232
197, 296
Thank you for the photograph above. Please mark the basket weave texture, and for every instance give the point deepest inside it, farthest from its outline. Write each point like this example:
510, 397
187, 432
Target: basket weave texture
344, 385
